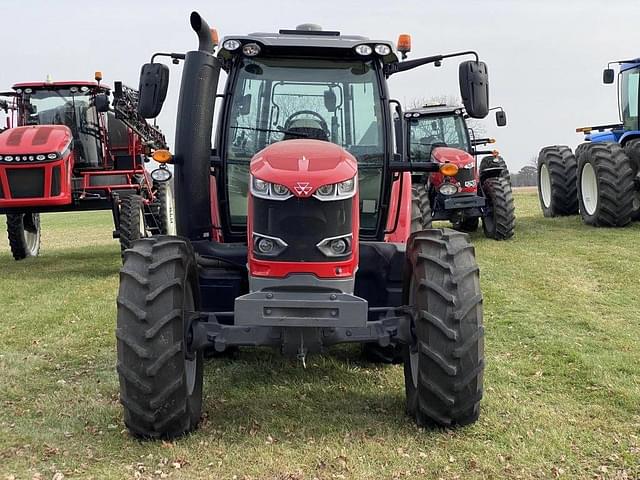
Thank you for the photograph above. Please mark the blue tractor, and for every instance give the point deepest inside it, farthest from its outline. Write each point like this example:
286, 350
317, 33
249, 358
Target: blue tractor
601, 178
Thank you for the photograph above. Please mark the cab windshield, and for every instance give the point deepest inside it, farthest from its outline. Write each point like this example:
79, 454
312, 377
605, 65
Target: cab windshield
428, 132
65, 106
629, 98
280, 99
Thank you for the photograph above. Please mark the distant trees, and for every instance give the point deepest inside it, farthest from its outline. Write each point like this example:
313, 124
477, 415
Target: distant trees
527, 176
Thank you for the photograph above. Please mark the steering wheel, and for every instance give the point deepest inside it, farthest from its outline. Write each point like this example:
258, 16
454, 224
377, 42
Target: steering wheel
293, 116
430, 140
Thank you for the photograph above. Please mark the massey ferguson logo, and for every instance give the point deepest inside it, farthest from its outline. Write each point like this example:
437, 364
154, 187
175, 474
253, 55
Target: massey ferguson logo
303, 188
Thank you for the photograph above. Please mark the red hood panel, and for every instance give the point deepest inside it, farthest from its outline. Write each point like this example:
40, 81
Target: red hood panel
35, 139
314, 162
452, 155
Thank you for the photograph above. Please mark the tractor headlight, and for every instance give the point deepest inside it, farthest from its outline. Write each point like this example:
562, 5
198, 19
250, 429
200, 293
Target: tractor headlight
363, 50
40, 157
336, 246
280, 190
268, 246
336, 191
52, 156
251, 49
231, 45
269, 191
448, 189
382, 49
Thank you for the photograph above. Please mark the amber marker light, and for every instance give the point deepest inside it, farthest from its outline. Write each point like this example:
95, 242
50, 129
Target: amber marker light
404, 43
162, 156
214, 37
448, 169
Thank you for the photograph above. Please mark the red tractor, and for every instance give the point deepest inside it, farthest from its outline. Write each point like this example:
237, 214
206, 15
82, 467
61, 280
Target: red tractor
294, 229
65, 149
462, 191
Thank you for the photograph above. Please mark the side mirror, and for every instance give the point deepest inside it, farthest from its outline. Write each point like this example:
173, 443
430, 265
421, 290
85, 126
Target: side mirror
154, 82
501, 118
608, 76
102, 103
474, 88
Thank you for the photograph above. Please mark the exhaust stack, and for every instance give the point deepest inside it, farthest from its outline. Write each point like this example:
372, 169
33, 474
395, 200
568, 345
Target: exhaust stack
193, 135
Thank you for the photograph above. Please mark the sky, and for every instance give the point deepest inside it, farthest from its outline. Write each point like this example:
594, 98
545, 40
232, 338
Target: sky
545, 57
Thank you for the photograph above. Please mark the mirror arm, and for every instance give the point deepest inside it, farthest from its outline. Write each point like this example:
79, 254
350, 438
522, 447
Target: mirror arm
418, 62
395, 166
176, 57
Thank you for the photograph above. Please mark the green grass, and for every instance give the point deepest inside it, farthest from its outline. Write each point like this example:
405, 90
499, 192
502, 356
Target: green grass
562, 383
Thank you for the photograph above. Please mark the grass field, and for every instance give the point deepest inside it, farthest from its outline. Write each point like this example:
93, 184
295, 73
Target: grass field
562, 383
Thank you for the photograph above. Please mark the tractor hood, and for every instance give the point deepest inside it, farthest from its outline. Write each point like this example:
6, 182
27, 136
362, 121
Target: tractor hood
25, 143
304, 165
452, 155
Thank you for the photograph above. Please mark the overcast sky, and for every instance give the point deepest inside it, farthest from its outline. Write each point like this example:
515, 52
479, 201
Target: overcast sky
545, 57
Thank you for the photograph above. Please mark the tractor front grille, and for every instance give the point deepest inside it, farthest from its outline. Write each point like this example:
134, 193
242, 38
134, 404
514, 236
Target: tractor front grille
465, 175
26, 182
302, 223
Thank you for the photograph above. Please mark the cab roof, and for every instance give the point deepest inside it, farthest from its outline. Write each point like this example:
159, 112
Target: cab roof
59, 85
629, 64
434, 110
309, 37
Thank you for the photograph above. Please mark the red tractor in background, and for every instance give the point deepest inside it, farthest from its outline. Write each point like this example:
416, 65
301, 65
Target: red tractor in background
294, 230
462, 191
65, 149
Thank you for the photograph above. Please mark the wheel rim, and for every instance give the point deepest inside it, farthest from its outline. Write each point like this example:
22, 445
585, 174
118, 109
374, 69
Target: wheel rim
31, 233
141, 224
545, 186
189, 365
589, 188
170, 212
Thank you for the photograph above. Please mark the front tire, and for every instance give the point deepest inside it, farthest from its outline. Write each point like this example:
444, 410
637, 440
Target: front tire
23, 230
160, 381
420, 195
605, 185
444, 367
557, 170
499, 220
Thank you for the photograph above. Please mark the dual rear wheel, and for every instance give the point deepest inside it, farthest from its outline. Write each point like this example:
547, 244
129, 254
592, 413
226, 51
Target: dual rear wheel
598, 182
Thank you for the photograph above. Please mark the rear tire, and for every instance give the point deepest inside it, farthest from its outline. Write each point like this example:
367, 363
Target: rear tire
132, 225
557, 170
23, 230
605, 185
499, 220
160, 382
443, 368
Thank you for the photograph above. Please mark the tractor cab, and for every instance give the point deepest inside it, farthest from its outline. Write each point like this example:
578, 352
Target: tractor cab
283, 94
65, 103
435, 126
